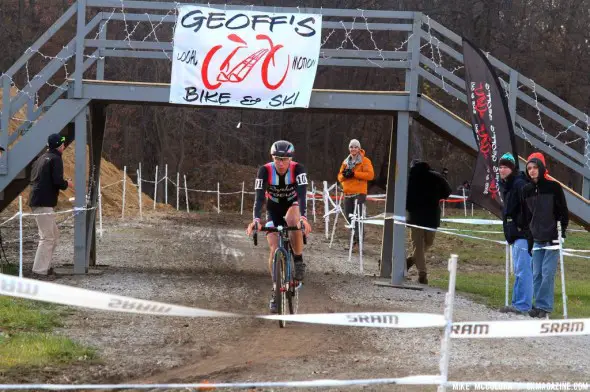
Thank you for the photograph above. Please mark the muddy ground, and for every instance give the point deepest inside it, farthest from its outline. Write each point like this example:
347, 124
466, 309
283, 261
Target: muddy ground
206, 261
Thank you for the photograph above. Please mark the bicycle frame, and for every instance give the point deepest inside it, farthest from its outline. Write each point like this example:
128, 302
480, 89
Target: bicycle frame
284, 246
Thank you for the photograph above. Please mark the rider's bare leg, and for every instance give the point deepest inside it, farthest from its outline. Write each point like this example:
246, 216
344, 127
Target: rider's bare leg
296, 237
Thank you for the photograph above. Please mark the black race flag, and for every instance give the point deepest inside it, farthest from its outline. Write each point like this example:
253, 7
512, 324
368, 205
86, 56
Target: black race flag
492, 127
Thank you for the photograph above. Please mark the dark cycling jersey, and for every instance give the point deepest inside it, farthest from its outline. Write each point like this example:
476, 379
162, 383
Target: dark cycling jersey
283, 189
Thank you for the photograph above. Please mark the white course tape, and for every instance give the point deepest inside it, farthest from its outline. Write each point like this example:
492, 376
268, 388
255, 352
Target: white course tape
411, 380
473, 221
382, 320
74, 296
517, 329
573, 255
517, 386
10, 219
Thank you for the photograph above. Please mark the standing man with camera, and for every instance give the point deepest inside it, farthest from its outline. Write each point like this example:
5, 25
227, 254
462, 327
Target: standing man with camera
47, 179
354, 175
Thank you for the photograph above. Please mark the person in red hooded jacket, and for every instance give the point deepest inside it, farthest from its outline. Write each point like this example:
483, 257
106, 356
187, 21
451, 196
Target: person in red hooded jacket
543, 206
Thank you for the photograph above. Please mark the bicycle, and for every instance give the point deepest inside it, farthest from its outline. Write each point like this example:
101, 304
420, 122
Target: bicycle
286, 287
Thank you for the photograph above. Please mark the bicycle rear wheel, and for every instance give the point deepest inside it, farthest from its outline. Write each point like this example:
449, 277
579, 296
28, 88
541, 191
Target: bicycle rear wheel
280, 285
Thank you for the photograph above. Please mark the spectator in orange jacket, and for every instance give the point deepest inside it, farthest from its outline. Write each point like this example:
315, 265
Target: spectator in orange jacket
355, 173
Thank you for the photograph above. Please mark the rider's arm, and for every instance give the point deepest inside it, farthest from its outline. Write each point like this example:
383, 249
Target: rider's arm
259, 188
301, 178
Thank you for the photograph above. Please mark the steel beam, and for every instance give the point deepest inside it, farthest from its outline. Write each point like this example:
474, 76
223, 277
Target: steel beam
320, 99
4, 122
170, 6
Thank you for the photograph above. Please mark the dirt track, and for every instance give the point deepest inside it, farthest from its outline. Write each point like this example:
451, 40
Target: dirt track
207, 261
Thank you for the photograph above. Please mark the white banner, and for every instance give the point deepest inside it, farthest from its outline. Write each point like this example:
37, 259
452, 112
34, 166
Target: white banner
517, 329
369, 319
244, 58
74, 296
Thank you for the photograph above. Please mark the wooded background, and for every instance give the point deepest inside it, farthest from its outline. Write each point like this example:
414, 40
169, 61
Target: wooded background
546, 40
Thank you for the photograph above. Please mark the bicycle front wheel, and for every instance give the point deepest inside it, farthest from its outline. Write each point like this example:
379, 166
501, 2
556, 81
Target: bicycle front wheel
280, 285
293, 291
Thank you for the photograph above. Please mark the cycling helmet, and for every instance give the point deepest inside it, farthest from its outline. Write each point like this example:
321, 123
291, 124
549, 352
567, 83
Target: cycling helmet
282, 148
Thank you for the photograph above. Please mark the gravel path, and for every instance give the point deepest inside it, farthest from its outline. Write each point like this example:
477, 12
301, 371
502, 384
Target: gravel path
207, 261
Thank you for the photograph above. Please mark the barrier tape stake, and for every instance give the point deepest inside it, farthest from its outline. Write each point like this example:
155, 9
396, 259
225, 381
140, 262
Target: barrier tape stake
156, 187
507, 273
20, 236
166, 184
313, 200
446, 342
326, 210
124, 191
353, 223
99, 209
186, 193
335, 221
177, 191
563, 293
218, 200
464, 202
139, 192
242, 202
361, 235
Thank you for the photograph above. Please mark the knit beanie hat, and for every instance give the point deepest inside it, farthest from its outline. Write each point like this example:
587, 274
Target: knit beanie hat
354, 143
508, 161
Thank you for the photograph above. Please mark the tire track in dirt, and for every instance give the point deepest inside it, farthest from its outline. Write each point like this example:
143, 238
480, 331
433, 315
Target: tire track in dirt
258, 342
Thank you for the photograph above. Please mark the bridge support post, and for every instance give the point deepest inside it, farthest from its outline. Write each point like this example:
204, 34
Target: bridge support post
80, 243
387, 239
586, 188
393, 251
399, 203
97, 129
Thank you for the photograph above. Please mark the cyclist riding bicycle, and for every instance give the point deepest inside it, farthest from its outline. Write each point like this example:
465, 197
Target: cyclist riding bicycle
283, 182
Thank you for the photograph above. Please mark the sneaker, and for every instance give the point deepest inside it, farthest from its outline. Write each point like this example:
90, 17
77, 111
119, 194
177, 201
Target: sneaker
510, 309
299, 270
422, 278
539, 313
273, 303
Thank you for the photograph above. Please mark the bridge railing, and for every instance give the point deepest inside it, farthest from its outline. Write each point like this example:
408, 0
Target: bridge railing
540, 118
350, 38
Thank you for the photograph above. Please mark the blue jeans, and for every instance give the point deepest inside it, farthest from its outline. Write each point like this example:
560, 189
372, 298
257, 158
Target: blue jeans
544, 268
522, 295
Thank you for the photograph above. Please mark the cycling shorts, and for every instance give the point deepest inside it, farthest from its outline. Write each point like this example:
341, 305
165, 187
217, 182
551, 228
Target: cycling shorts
275, 213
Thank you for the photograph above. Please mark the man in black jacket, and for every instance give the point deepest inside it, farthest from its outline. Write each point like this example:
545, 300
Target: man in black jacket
425, 190
544, 206
46, 182
512, 184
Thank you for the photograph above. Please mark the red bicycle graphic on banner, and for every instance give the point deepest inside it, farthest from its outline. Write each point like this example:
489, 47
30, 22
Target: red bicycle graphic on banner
240, 71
